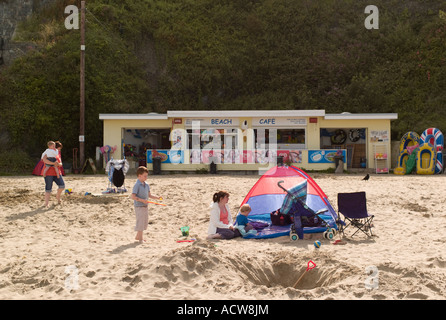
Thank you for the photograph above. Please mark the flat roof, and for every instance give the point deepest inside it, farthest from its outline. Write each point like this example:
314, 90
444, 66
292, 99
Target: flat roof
246, 113
133, 116
360, 116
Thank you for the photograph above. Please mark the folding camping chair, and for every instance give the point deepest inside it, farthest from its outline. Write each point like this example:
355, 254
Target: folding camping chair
353, 207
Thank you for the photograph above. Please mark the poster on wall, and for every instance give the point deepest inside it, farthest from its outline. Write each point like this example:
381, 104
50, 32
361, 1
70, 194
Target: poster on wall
293, 156
324, 156
379, 136
166, 156
268, 156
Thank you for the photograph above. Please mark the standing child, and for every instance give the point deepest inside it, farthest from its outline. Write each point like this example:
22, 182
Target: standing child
51, 153
140, 195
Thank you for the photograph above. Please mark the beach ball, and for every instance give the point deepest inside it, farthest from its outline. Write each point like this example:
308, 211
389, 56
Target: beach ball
317, 244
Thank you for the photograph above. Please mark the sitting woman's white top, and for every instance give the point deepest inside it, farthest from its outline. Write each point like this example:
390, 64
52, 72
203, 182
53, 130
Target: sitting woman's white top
215, 221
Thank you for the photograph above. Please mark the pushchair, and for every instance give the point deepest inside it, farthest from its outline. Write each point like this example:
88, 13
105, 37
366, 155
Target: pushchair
116, 170
301, 215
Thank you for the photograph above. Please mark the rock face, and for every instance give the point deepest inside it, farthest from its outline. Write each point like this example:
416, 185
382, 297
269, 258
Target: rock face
11, 13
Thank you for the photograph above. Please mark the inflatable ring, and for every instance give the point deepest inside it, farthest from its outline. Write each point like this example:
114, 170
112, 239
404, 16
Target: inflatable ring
439, 163
434, 137
339, 137
410, 138
354, 135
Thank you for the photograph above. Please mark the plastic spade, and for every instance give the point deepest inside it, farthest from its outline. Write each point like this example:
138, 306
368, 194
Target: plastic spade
160, 204
310, 265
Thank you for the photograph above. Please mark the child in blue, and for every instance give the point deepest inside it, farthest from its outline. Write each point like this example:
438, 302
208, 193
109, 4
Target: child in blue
140, 195
242, 223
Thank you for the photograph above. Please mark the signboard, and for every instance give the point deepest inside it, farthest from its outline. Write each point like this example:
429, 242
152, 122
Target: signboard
221, 156
293, 156
278, 122
379, 136
213, 122
166, 156
267, 156
324, 155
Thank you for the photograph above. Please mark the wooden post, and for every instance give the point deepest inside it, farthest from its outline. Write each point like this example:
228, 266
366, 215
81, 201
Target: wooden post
82, 88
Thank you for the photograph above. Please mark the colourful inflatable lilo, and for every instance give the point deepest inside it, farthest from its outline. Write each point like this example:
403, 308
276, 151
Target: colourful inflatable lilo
423, 153
426, 159
408, 143
435, 138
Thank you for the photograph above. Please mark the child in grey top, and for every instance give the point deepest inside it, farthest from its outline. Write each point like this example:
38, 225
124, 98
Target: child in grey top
140, 195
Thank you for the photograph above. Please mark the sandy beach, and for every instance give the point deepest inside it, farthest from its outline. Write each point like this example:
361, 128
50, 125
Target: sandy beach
85, 248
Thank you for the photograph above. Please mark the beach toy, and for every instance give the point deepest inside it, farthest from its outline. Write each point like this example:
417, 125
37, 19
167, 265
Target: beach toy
310, 265
425, 162
185, 231
434, 137
87, 194
186, 240
354, 135
339, 242
339, 137
412, 161
160, 204
68, 191
317, 244
409, 139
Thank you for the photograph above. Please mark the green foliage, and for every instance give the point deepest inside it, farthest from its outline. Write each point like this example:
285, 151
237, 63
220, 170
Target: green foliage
15, 162
42, 88
153, 56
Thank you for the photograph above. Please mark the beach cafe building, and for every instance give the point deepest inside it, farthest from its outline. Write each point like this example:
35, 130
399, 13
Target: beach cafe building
239, 140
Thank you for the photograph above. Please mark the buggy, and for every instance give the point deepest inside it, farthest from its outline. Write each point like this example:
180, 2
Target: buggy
300, 214
116, 170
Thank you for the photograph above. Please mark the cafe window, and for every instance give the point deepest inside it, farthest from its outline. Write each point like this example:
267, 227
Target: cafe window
213, 138
220, 141
295, 138
137, 141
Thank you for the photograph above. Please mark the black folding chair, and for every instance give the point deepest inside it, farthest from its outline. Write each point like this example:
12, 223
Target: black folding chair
353, 206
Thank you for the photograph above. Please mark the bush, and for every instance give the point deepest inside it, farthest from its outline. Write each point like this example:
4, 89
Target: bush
15, 162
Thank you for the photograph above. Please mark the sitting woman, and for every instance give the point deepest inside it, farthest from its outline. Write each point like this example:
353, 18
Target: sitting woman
221, 223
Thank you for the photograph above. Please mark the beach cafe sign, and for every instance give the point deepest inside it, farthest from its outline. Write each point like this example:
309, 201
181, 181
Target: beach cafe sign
213, 122
256, 122
278, 122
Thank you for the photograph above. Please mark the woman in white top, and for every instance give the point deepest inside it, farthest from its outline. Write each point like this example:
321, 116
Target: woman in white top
221, 225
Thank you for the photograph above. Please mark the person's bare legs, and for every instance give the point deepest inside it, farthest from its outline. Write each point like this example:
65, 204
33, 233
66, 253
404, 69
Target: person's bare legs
59, 192
45, 170
139, 236
47, 198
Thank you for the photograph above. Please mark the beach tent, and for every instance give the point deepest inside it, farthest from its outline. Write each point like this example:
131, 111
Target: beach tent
266, 196
38, 169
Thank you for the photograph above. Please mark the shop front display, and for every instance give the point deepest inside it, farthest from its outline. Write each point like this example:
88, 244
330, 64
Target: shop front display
247, 140
351, 139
